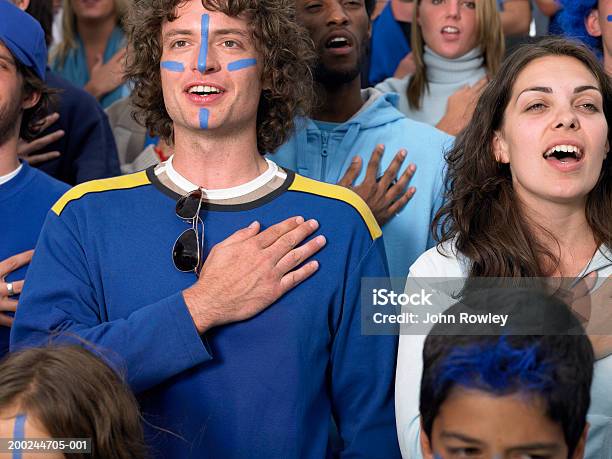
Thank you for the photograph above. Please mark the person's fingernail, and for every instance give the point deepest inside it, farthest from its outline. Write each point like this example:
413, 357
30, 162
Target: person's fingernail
253, 225
299, 220
313, 223
61, 131
355, 159
321, 240
412, 168
402, 154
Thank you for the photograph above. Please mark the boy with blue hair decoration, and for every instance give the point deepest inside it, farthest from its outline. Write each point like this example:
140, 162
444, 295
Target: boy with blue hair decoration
511, 396
591, 22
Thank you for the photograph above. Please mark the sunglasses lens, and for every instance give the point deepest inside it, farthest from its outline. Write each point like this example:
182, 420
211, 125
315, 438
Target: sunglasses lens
187, 206
185, 252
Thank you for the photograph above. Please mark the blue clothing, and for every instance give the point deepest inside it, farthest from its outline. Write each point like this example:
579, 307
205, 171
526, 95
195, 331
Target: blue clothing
326, 157
24, 37
74, 67
388, 46
554, 26
262, 388
25, 200
88, 149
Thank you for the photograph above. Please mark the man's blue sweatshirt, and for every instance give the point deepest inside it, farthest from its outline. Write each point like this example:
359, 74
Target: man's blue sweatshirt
326, 155
25, 201
266, 387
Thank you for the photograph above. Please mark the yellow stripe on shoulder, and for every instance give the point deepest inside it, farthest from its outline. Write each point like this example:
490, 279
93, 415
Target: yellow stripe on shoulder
340, 193
122, 182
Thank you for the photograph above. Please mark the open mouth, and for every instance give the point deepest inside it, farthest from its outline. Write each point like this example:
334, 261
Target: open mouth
338, 42
204, 90
563, 153
450, 30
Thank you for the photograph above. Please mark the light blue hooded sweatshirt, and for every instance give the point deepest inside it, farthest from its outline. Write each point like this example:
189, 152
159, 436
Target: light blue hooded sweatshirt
325, 155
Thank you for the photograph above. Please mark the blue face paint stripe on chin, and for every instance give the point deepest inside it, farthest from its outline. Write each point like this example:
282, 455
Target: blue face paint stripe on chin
173, 66
203, 118
19, 433
241, 64
203, 44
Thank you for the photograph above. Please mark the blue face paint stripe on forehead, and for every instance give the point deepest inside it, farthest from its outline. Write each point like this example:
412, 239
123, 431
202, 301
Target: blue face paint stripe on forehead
203, 45
203, 118
19, 433
173, 66
241, 64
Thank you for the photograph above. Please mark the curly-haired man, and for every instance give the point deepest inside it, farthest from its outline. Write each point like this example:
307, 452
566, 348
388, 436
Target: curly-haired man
255, 356
350, 128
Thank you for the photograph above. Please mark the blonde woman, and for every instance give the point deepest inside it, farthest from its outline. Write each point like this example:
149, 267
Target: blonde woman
92, 51
457, 45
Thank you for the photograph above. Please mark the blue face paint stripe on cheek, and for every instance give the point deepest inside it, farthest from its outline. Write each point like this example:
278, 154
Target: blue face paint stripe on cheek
203, 118
203, 45
19, 433
609, 17
173, 66
241, 64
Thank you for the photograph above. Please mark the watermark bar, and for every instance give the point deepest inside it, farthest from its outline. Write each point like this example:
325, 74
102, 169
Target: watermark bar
421, 303
46, 445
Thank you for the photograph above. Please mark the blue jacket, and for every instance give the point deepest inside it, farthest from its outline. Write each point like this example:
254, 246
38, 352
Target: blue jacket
88, 149
25, 201
262, 388
388, 46
325, 156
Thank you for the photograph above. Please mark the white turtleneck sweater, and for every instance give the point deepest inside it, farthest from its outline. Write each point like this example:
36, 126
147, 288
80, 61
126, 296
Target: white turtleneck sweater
445, 77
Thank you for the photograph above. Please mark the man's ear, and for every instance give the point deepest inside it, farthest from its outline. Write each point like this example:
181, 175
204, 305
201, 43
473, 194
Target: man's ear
579, 451
426, 448
22, 4
500, 148
30, 100
591, 22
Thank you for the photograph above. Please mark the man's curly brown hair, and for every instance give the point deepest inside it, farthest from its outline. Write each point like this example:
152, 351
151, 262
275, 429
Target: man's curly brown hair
286, 48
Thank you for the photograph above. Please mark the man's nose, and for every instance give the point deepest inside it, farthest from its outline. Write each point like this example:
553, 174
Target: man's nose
337, 14
206, 59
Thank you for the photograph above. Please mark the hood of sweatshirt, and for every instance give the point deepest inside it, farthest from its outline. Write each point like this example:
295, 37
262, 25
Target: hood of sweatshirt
378, 109
323, 154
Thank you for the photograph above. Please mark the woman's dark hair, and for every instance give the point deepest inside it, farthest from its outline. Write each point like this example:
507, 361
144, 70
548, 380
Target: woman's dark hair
482, 214
556, 368
74, 395
285, 46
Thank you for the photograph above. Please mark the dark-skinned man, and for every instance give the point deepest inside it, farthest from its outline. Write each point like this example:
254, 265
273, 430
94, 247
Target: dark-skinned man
349, 128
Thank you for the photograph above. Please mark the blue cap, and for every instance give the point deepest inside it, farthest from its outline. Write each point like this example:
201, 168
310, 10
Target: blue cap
24, 37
